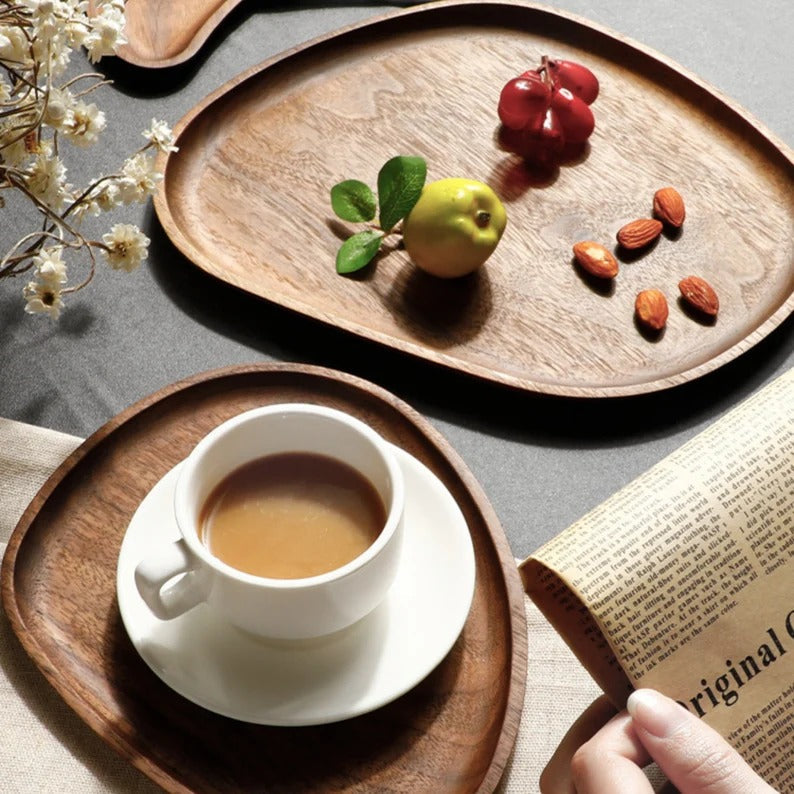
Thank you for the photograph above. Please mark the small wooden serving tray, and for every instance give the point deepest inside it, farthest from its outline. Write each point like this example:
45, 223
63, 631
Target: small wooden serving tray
162, 34
246, 198
453, 732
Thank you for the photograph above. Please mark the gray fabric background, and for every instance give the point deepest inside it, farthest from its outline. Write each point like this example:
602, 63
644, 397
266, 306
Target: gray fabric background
542, 461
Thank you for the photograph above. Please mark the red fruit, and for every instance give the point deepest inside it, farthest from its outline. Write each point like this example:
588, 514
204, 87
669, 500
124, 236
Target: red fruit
575, 116
578, 79
523, 102
540, 146
551, 137
545, 112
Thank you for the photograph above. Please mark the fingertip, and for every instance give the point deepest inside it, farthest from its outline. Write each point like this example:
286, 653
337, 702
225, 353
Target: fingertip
692, 754
654, 712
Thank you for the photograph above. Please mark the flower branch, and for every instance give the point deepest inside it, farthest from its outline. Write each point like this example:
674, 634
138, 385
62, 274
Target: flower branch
40, 110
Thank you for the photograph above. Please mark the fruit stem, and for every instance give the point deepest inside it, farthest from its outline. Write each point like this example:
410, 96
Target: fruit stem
545, 70
482, 218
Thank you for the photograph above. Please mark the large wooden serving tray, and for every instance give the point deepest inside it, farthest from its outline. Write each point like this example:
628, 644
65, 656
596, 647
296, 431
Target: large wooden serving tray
246, 198
453, 732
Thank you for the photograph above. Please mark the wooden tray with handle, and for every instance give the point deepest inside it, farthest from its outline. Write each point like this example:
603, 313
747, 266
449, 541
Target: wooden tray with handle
246, 198
453, 732
165, 33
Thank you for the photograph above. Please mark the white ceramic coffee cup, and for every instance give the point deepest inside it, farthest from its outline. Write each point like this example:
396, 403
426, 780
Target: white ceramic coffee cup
177, 577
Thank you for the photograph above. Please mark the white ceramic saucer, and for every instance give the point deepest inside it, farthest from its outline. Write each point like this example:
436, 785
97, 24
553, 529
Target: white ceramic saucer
322, 680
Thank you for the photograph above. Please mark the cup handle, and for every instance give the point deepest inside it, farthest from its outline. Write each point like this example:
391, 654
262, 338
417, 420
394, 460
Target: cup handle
153, 573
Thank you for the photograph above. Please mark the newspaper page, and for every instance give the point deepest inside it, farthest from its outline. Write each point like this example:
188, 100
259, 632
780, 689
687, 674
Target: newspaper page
684, 581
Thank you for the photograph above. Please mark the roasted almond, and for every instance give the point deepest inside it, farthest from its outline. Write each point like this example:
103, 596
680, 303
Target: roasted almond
668, 206
650, 306
699, 294
595, 259
639, 233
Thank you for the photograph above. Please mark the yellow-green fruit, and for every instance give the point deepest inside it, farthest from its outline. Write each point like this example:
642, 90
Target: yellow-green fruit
454, 227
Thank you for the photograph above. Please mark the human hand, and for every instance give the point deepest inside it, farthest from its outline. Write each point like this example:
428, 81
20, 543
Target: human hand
604, 752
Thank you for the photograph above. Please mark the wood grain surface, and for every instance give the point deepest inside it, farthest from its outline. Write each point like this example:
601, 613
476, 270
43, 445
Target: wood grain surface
246, 198
162, 33
453, 732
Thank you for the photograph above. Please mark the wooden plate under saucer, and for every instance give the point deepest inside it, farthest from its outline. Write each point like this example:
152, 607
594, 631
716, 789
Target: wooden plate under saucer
453, 732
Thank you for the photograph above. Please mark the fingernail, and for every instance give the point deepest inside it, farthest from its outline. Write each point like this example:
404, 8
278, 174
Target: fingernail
654, 712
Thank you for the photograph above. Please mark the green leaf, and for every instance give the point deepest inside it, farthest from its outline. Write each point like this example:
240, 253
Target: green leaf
358, 251
400, 184
352, 200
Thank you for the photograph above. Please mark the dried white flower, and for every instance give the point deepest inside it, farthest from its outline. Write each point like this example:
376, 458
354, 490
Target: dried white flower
127, 246
50, 267
57, 112
103, 198
160, 135
55, 53
42, 299
139, 178
107, 32
46, 179
43, 295
39, 114
14, 46
84, 124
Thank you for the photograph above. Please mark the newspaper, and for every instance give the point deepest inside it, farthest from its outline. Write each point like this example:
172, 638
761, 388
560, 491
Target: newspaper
684, 581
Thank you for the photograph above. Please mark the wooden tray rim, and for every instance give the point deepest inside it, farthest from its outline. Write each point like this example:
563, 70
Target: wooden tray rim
514, 591
749, 340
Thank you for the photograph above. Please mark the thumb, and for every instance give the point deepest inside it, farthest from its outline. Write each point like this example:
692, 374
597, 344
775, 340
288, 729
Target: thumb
695, 758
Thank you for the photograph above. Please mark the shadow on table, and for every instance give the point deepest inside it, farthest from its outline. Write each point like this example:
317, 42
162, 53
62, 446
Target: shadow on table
448, 394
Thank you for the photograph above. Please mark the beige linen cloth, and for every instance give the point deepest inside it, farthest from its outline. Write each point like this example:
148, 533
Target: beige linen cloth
45, 747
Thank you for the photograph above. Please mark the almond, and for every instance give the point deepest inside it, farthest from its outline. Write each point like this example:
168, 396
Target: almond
596, 259
668, 206
639, 233
699, 294
651, 308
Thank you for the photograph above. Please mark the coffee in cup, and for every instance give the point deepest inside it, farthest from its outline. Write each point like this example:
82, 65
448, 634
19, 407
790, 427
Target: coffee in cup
252, 502
291, 515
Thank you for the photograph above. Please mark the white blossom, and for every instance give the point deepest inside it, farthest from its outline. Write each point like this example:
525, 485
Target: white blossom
102, 199
14, 46
75, 27
43, 295
107, 32
43, 14
42, 299
57, 113
46, 179
54, 54
160, 134
50, 267
75, 32
84, 124
127, 246
139, 178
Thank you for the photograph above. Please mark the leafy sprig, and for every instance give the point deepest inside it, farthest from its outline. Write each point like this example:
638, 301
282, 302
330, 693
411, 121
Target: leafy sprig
400, 183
